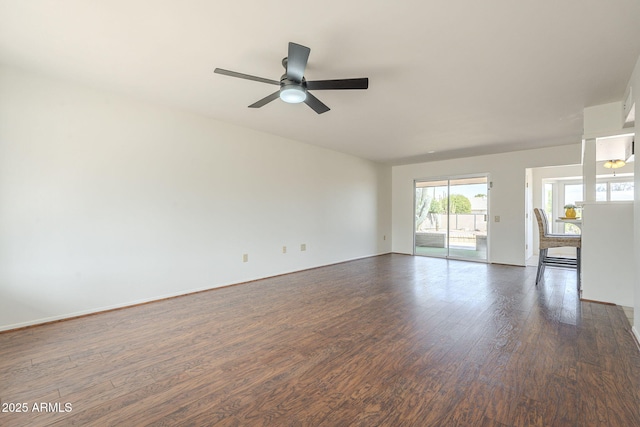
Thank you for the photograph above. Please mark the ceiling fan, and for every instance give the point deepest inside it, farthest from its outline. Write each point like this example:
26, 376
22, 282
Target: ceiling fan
294, 88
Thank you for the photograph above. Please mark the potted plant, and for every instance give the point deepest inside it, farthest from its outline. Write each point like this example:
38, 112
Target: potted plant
570, 210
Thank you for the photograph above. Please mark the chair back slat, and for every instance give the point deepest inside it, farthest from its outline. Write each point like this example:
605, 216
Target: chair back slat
542, 222
545, 222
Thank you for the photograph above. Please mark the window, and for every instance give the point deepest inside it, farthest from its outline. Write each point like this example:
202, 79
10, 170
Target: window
556, 193
609, 190
621, 190
572, 194
601, 192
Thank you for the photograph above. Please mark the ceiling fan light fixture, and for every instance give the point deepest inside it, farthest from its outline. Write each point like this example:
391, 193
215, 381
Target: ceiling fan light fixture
614, 164
293, 94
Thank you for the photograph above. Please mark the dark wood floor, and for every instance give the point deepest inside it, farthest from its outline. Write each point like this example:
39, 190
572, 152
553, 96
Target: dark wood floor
391, 341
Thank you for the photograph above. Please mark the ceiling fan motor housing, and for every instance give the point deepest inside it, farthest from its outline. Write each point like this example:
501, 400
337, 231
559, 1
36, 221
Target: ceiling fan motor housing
291, 91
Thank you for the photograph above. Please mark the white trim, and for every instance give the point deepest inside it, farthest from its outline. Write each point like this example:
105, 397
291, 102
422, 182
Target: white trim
608, 134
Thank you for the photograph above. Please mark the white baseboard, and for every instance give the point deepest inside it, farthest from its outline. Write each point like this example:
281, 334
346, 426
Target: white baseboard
102, 309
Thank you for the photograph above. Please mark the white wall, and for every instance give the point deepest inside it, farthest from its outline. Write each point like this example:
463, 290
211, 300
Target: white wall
602, 120
507, 197
634, 82
607, 253
107, 201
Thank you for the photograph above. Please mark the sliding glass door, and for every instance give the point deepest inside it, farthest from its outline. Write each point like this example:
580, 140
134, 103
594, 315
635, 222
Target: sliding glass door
451, 218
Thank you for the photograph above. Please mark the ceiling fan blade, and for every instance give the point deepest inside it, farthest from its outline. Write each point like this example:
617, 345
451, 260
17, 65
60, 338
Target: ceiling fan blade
265, 100
316, 104
362, 83
297, 61
245, 76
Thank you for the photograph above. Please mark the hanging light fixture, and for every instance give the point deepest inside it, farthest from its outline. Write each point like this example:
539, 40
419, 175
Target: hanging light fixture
614, 164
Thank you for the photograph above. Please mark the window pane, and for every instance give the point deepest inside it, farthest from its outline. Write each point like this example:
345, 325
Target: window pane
622, 190
601, 192
572, 193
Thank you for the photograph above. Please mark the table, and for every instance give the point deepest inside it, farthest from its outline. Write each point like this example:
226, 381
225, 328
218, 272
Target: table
575, 221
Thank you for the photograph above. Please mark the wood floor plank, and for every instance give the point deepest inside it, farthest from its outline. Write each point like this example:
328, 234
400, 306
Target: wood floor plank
392, 340
592, 400
561, 402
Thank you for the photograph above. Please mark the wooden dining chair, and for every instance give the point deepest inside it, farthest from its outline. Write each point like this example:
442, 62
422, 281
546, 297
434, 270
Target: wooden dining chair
548, 241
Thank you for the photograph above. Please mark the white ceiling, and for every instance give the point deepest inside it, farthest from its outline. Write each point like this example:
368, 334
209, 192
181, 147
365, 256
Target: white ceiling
457, 78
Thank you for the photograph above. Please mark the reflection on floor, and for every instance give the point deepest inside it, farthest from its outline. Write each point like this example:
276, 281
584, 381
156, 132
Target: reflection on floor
454, 252
628, 311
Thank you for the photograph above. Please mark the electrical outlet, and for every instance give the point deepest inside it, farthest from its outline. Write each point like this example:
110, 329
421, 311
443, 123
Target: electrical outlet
497, 218
245, 258
284, 249
303, 247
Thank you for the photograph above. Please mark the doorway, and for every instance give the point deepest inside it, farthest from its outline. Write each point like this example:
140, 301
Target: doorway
451, 218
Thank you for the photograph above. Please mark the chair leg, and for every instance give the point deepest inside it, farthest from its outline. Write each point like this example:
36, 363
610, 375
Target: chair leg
541, 257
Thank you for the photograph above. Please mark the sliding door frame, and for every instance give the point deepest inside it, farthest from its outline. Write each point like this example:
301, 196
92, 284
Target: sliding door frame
448, 179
